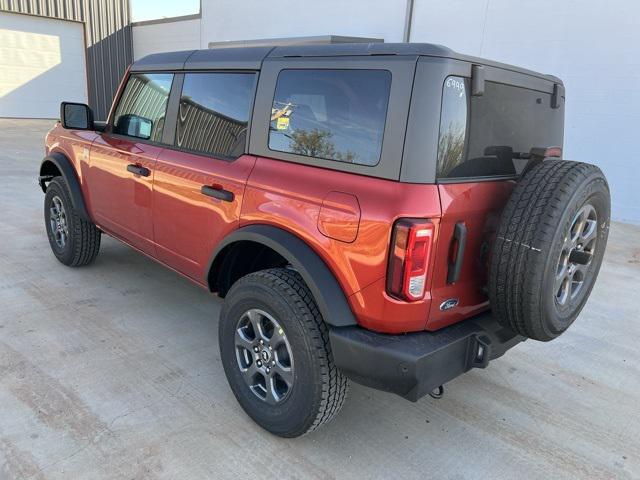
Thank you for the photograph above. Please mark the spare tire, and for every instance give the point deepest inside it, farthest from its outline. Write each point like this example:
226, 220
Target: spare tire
549, 248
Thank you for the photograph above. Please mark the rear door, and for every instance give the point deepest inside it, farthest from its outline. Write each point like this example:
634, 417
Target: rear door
200, 180
483, 145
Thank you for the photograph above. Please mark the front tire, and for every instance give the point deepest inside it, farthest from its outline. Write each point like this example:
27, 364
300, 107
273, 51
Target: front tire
73, 240
276, 354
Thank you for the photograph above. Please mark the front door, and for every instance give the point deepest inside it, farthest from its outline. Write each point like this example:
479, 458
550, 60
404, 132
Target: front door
122, 161
199, 183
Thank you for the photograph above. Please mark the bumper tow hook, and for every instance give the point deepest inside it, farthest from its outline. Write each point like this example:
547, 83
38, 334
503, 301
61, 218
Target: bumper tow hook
437, 392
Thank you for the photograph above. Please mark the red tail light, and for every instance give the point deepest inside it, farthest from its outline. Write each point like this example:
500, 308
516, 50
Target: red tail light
555, 152
547, 152
411, 244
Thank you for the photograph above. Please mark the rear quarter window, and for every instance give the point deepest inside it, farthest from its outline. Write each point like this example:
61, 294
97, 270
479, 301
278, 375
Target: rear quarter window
336, 115
492, 135
453, 125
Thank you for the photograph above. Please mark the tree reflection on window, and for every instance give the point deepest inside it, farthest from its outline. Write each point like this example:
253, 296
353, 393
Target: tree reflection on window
451, 146
330, 114
317, 143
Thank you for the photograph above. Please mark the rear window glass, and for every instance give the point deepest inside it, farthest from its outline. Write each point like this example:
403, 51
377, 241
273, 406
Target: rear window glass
143, 105
491, 135
331, 114
214, 113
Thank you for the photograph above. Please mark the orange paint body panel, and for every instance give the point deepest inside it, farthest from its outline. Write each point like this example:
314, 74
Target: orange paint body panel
75, 145
346, 219
188, 225
478, 206
275, 195
339, 216
120, 201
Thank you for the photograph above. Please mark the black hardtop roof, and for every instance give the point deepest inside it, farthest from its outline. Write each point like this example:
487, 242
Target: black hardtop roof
241, 58
251, 58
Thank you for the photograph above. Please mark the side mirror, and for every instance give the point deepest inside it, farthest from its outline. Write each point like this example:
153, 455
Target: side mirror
134, 126
77, 116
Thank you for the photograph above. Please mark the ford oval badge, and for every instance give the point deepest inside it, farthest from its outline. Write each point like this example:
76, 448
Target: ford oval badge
448, 304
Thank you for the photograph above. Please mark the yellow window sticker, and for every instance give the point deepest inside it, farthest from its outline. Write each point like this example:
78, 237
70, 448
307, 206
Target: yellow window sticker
282, 123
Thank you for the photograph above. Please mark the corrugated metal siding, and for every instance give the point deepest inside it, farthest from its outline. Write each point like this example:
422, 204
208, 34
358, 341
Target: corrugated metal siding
204, 130
144, 99
109, 49
199, 128
108, 37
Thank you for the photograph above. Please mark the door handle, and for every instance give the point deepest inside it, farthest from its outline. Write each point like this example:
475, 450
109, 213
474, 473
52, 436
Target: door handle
216, 191
455, 264
138, 170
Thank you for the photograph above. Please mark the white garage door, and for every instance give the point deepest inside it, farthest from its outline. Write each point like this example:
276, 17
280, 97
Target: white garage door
42, 62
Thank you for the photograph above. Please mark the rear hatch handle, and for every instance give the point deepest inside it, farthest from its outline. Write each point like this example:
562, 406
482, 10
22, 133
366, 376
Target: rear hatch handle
457, 252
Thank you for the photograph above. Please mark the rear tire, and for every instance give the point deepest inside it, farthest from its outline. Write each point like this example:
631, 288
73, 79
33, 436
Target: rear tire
549, 248
293, 387
74, 241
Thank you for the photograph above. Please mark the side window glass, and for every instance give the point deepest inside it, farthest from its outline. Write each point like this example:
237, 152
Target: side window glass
214, 113
143, 105
453, 125
331, 114
492, 135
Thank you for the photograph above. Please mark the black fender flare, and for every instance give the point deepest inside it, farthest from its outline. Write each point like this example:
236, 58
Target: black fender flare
64, 166
324, 286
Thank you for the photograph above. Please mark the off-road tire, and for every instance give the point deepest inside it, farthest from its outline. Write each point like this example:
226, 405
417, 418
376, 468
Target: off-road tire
83, 240
533, 234
319, 389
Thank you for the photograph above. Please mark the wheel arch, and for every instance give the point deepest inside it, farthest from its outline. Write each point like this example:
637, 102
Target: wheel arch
57, 164
284, 248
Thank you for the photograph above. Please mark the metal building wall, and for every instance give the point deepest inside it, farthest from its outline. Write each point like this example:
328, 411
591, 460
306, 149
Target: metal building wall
146, 99
204, 130
108, 40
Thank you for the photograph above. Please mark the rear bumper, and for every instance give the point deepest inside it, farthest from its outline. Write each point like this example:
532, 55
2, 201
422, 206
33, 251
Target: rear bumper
414, 364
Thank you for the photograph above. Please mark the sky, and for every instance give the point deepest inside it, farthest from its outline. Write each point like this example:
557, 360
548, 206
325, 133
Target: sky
153, 9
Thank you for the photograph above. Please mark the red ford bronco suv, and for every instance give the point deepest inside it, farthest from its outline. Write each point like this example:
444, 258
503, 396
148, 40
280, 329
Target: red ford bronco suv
393, 214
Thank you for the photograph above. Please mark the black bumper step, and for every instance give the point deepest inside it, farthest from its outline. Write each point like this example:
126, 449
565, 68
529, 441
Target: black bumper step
413, 364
